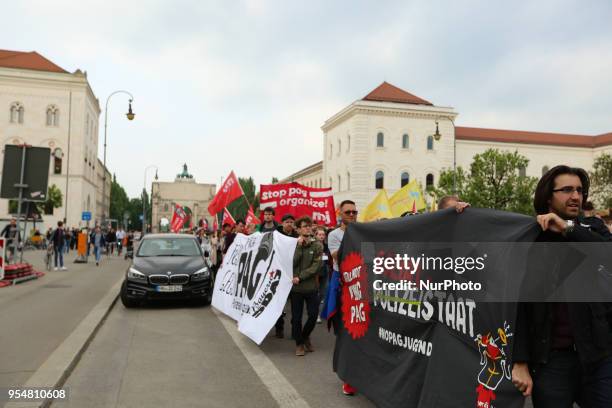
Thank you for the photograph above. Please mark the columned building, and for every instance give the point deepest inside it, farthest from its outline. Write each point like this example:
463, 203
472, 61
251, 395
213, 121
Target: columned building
385, 139
41, 104
183, 191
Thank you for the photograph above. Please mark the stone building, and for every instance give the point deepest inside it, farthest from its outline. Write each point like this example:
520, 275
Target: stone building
183, 191
42, 104
386, 139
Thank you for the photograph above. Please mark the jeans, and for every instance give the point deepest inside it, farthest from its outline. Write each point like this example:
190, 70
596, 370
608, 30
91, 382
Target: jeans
98, 253
562, 381
297, 308
59, 253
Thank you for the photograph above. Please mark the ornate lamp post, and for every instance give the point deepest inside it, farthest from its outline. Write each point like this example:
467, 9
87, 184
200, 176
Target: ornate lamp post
437, 136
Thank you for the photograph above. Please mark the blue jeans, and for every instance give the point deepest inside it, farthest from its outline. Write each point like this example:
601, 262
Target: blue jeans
98, 253
59, 254
562, 381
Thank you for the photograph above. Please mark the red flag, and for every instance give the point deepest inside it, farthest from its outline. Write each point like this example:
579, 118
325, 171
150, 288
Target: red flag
178, 218
227, 218
205, 225
215, 224
229, 191
250, 218
414, 210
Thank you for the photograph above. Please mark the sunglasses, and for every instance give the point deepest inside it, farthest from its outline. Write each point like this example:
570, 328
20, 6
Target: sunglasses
350, 212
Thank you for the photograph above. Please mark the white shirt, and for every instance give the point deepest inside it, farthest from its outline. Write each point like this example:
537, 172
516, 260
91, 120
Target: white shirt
334, 239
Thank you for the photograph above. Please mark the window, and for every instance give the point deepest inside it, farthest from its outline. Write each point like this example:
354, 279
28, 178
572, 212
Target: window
522, 171
17, 112
430, 141
330, 183
348, 181
57, 162
331, 150
166, 207
52, 116
339, 183
429, 181
405, 141
380, 180
348, 143
405, 178
339, 147
380, 139
545, 170
320, 183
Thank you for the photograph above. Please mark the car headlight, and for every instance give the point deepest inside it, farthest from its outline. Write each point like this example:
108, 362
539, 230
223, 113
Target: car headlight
201, 274
134, 275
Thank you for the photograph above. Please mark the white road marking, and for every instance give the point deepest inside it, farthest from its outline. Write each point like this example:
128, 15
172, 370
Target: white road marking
281, 389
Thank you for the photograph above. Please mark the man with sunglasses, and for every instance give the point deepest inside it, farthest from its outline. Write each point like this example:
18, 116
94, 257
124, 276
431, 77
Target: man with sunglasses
563, 351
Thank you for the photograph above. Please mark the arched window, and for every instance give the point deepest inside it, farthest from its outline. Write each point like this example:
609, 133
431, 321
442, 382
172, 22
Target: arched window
405, 179
429, 181
339, 183
405, 141
57, 163
17, 112
166, 207
52, 115
522, 171
380, 179
380, 139
545, 170
348, 181
430, 141
339, 147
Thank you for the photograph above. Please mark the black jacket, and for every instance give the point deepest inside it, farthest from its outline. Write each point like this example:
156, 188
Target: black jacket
591, 323
58, 237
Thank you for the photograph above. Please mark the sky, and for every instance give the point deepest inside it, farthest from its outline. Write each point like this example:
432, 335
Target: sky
246, 85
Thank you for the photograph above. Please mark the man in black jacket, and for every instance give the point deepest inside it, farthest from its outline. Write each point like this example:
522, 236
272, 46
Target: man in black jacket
59, 240
563, 351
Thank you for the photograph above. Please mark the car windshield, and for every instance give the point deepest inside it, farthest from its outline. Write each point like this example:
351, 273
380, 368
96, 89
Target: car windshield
169, 247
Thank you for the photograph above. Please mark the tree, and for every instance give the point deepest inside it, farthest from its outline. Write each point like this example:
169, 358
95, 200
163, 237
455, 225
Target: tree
55, 199
119, 201
601, 181
274, 180
494, 181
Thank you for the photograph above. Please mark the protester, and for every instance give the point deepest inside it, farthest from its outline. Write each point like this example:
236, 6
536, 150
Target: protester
10, 233
111, 241
228, 237
120, 237
250, 228
67, 240
348, 215
591, 220
452, 201
59, 242
326, 264
306, 264
268, 224
98, 242
286, 228
563, 351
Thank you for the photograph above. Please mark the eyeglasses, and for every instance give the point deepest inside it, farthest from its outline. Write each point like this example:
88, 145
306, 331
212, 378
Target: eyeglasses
349, 212
569, 190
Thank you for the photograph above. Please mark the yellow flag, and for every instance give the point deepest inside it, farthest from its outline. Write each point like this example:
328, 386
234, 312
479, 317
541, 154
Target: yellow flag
377, 209
434, 203
408, 198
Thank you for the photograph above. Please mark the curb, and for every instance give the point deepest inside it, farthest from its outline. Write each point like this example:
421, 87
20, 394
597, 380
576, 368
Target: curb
54, 372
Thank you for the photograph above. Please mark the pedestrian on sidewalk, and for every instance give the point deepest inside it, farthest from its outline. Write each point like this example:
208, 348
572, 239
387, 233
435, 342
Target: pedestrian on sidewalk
98, 242
59, 241
306, 264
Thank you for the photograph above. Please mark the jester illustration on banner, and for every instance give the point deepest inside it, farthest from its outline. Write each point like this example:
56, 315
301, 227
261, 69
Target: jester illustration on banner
181, 219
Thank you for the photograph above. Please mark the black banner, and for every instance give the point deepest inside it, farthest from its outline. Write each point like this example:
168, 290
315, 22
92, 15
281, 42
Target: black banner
413, 346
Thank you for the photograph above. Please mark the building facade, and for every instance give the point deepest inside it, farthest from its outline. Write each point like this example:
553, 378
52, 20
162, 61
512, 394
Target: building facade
386, 139
183, 191
41, 104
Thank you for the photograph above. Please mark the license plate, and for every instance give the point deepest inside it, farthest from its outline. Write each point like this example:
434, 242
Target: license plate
170, 288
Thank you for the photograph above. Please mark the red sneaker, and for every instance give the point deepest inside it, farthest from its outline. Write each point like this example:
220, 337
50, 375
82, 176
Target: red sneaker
348, 390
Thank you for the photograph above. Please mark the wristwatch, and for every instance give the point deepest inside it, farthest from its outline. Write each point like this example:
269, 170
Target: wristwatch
570, 227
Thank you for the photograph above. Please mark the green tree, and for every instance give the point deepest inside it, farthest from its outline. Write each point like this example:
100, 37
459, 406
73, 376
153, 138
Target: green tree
118, 201
274, 180
135, 210
494, 181
601, 181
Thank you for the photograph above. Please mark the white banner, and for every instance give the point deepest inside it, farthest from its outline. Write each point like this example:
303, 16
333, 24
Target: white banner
254, 281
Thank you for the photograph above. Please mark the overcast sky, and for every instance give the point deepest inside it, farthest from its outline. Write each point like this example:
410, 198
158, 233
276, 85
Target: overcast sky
246, 85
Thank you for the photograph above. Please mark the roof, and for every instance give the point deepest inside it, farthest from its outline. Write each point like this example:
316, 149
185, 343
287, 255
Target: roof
386, 92
28, 60
541, 138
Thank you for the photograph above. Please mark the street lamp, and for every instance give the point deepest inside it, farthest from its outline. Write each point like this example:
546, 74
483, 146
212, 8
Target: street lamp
437, 136
144, 190
130, 115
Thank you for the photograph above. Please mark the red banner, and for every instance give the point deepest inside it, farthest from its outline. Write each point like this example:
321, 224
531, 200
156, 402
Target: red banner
178, 218
299, 200
229, 191
227, 218
251, 218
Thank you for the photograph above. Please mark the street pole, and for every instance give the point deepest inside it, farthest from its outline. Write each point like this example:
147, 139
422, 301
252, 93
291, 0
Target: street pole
103, 222
144, 190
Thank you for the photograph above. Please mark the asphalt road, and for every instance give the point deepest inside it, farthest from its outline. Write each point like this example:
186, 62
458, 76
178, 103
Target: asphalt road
36, 316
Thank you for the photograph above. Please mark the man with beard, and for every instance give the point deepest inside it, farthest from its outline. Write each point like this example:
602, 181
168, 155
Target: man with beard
563, 351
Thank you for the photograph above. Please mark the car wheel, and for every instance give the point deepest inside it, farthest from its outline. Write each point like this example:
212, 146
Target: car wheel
127, 302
